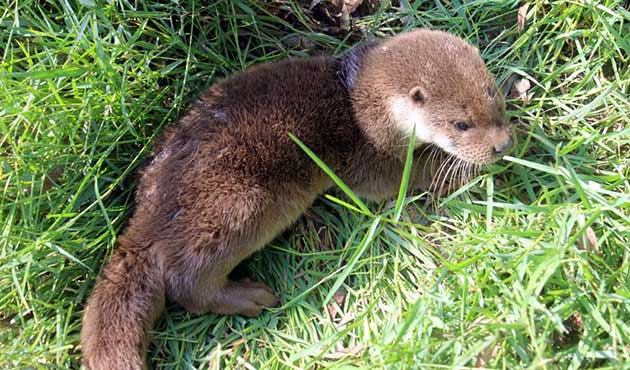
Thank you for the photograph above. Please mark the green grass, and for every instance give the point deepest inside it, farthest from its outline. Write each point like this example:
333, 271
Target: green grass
538, 245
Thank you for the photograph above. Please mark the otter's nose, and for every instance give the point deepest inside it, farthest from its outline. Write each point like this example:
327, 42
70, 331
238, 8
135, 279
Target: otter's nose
503, 147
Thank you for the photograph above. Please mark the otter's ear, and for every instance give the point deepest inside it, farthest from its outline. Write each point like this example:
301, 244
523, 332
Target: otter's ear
350, 62
418, 95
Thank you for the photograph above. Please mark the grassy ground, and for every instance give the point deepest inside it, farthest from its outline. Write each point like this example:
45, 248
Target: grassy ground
530, 268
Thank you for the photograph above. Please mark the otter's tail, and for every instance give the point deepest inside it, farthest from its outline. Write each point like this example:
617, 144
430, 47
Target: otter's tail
127, 299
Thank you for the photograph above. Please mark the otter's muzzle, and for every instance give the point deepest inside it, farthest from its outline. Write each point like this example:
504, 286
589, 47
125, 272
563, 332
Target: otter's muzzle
504, 147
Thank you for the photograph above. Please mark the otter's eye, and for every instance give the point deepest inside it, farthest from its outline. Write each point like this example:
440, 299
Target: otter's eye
462, 126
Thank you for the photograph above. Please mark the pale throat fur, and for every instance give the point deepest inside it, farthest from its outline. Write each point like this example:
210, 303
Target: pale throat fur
411, 119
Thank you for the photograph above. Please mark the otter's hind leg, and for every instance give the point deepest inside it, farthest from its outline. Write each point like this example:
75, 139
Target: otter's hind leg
226, 230
209, 290
247, 298
197, 278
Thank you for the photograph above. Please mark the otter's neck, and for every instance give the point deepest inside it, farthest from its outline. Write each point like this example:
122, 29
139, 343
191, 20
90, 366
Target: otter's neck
350, 63
373, 117
369, 108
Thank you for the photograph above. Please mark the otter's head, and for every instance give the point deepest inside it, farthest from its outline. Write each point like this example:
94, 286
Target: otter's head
437, 86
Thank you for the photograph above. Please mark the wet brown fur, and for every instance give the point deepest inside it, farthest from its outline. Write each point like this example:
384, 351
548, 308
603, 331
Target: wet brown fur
226, 178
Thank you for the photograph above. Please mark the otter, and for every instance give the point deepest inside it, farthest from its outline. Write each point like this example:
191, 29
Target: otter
227, 178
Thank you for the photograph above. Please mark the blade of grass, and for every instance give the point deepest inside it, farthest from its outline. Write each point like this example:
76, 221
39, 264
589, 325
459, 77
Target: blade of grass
332, 175
404, 182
